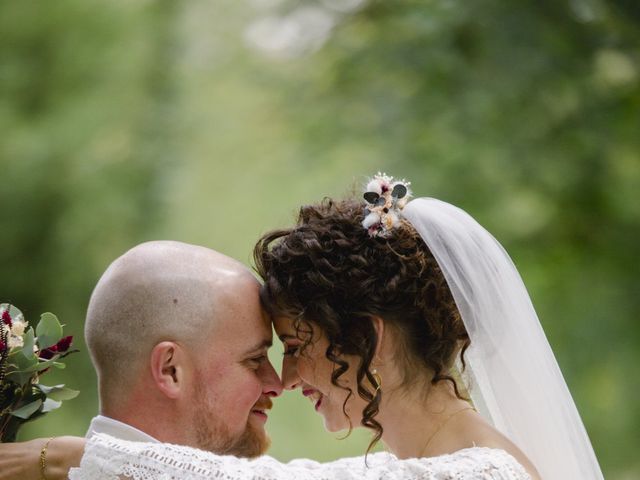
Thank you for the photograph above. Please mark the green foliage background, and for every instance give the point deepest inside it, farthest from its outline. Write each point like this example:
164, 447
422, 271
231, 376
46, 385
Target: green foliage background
125, 121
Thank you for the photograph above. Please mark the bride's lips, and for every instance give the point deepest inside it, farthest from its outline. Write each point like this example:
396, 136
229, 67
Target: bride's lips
314, 395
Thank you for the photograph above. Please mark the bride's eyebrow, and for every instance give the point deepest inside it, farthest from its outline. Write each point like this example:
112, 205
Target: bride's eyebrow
285, 336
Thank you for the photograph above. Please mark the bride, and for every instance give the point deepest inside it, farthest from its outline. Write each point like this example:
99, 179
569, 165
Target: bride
386, 308
371, 330
409, 319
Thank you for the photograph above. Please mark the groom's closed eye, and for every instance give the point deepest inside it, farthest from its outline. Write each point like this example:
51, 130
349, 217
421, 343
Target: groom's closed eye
257, 355
258, 361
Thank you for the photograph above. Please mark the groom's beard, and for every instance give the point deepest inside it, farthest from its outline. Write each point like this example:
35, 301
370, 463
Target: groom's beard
213, 435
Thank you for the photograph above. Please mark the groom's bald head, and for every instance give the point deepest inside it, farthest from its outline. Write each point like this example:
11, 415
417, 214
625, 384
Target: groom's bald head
179, 340
157, 291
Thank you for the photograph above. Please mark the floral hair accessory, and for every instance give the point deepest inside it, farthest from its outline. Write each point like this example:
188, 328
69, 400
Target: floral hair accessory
385, 198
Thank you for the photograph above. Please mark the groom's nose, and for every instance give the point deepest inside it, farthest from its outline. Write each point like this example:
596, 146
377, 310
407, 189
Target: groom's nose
271, 384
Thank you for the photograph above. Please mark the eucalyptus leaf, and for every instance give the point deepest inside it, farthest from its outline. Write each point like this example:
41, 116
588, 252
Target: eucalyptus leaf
26, 411
371, 197
23, 361
49, 405
39, 366
46, 389
49, 330
29, 342
21, 378
399, 191
65, 394
15, 313
58, 392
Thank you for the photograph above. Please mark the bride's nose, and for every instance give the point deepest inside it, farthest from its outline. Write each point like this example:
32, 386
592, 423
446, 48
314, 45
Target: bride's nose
290, 378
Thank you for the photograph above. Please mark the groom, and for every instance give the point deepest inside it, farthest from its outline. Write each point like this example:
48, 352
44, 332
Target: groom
179, 342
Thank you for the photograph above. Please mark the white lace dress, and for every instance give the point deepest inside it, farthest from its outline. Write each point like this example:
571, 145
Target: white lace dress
108, 458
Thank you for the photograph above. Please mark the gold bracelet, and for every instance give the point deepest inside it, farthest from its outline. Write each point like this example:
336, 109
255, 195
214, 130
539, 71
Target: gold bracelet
43, 459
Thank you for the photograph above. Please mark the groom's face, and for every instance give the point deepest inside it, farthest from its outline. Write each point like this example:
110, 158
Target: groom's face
234, 380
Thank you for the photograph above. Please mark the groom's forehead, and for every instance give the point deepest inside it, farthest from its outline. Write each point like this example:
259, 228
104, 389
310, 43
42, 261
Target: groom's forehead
256, 330
245, 329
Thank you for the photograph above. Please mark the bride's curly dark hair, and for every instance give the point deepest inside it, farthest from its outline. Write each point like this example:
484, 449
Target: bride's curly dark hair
327, 272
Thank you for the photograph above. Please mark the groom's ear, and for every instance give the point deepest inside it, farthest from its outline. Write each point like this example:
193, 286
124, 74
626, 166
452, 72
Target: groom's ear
168, 369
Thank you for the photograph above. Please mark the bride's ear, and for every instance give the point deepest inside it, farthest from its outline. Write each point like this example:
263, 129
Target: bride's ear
167, 369
378, 326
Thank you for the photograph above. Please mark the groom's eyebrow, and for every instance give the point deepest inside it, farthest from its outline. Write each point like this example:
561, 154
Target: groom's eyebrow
260, 346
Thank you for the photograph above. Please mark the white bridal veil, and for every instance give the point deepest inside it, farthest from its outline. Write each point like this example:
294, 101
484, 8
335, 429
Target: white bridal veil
515, 380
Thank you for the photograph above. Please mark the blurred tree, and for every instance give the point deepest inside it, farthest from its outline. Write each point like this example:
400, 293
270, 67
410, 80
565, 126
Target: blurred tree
527, 115
86, 94
124, 121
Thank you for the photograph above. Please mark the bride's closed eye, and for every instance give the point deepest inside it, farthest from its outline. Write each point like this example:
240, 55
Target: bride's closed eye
292, 344
291, 350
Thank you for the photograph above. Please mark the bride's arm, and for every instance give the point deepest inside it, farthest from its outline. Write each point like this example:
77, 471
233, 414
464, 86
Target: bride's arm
108, 458
22, 460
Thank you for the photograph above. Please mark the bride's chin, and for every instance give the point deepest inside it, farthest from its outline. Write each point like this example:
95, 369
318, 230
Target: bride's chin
333, 425
333, 417
332, 428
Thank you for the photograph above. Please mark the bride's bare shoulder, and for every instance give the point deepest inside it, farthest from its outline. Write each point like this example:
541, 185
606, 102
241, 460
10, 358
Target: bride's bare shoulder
482, 434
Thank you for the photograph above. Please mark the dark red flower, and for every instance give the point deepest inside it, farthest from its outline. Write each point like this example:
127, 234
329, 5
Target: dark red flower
64, 344
48, 353
60, 347
6, 318
2, 345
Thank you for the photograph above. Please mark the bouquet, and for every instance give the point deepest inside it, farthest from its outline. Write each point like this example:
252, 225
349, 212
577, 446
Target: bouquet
26, 355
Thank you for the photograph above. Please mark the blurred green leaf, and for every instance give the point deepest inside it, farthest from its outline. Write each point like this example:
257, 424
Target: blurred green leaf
20, 366
29, 343
49, 330
58, 392
50, 404
26, 411
39, 366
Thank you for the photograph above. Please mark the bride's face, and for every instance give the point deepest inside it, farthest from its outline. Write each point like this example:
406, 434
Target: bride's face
308, 368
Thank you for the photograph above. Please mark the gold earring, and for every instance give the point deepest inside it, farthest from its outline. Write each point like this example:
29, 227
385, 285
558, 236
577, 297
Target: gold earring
378, 381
